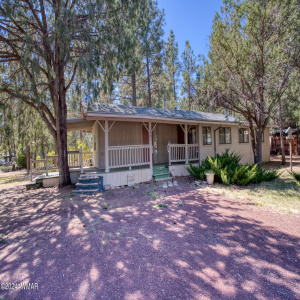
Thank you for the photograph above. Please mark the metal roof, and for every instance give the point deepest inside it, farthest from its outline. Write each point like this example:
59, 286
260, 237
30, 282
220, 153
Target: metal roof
123, 110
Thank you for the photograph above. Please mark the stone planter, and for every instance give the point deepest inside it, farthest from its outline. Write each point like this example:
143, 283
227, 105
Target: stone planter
210, 178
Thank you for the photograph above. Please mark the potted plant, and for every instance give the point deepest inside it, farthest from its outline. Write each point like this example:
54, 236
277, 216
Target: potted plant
210, 176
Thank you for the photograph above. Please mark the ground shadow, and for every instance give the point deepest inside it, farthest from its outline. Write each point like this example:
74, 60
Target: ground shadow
199, 246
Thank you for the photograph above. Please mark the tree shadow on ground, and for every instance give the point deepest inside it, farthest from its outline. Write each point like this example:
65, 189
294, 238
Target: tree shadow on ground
210, 247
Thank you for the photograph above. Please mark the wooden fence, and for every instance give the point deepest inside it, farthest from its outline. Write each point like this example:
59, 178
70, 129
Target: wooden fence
276, 146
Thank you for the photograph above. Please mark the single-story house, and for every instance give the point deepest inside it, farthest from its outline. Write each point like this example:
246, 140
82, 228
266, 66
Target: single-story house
135, 144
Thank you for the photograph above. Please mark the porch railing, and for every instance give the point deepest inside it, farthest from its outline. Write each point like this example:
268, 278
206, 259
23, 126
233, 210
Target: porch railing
193, 152
128, 156
177, 152
76, 159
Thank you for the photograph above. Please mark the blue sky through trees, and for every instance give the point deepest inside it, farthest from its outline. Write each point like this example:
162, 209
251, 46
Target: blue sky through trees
190, 20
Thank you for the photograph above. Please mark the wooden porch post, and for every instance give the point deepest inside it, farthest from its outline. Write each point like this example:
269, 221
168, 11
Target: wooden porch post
106, 146
150, 147
47, 172
186, 143
199, 141
30, 171
81, 160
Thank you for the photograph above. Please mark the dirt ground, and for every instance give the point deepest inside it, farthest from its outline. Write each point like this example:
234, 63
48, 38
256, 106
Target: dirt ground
275, 161
201, 246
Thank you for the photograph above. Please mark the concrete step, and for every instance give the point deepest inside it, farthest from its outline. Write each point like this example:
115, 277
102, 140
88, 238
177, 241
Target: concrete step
165, 175
161, 173
85, 192
89, 186
163, 179
33, 185
158, 168
89, 176
89, 180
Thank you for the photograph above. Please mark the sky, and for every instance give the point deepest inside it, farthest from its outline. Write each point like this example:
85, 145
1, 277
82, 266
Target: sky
190, 20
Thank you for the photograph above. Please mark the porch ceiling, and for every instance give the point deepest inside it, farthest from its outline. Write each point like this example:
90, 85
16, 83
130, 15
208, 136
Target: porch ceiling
80, 124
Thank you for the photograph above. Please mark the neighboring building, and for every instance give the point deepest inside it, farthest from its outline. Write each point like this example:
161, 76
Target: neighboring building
133, 144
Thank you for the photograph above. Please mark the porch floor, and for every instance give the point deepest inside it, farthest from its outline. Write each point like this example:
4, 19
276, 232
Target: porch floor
95, 170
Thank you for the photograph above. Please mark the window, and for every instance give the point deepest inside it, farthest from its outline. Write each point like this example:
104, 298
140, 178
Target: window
95, 142
225, 135
192, 136
206, 132
243, 135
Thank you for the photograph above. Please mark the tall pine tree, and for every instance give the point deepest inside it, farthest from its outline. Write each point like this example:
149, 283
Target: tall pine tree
189, 69
171, 71
45, 43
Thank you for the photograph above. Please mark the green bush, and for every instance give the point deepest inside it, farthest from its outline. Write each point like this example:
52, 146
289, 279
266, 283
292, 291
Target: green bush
21, 159
197, 172
6, 168
295, 175
228, 170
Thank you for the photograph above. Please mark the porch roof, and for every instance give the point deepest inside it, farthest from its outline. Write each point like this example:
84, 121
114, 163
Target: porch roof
76, 124
151, 113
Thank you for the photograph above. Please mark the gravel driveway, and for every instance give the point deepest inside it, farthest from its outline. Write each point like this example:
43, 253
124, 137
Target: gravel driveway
207, 247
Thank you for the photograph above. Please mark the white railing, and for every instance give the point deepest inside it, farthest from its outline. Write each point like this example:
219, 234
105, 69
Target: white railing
128, 156
76, 159
193, 152
177, 152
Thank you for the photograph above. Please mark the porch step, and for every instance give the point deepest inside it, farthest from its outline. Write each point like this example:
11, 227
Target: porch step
160, 167
86, 192
37, 183
164, 179
89, 184
161, 172
162, 176
88, 180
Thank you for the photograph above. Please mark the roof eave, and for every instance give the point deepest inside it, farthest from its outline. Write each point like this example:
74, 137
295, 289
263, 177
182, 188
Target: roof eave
97, 115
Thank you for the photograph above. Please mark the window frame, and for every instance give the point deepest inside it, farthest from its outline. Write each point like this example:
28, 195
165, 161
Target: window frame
243, 135
230, 136
204, 141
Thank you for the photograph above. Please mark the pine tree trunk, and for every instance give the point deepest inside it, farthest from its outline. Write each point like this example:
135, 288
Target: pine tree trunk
281, 133
9, 155
60, 107
298, 146
148, 82
28, 158
189, 98
61, 139
174, 91
258, 158
133, 78
256, 143
62, 146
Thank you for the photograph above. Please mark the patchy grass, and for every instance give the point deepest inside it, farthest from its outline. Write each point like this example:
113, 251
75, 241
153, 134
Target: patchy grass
281, 194
12, 179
